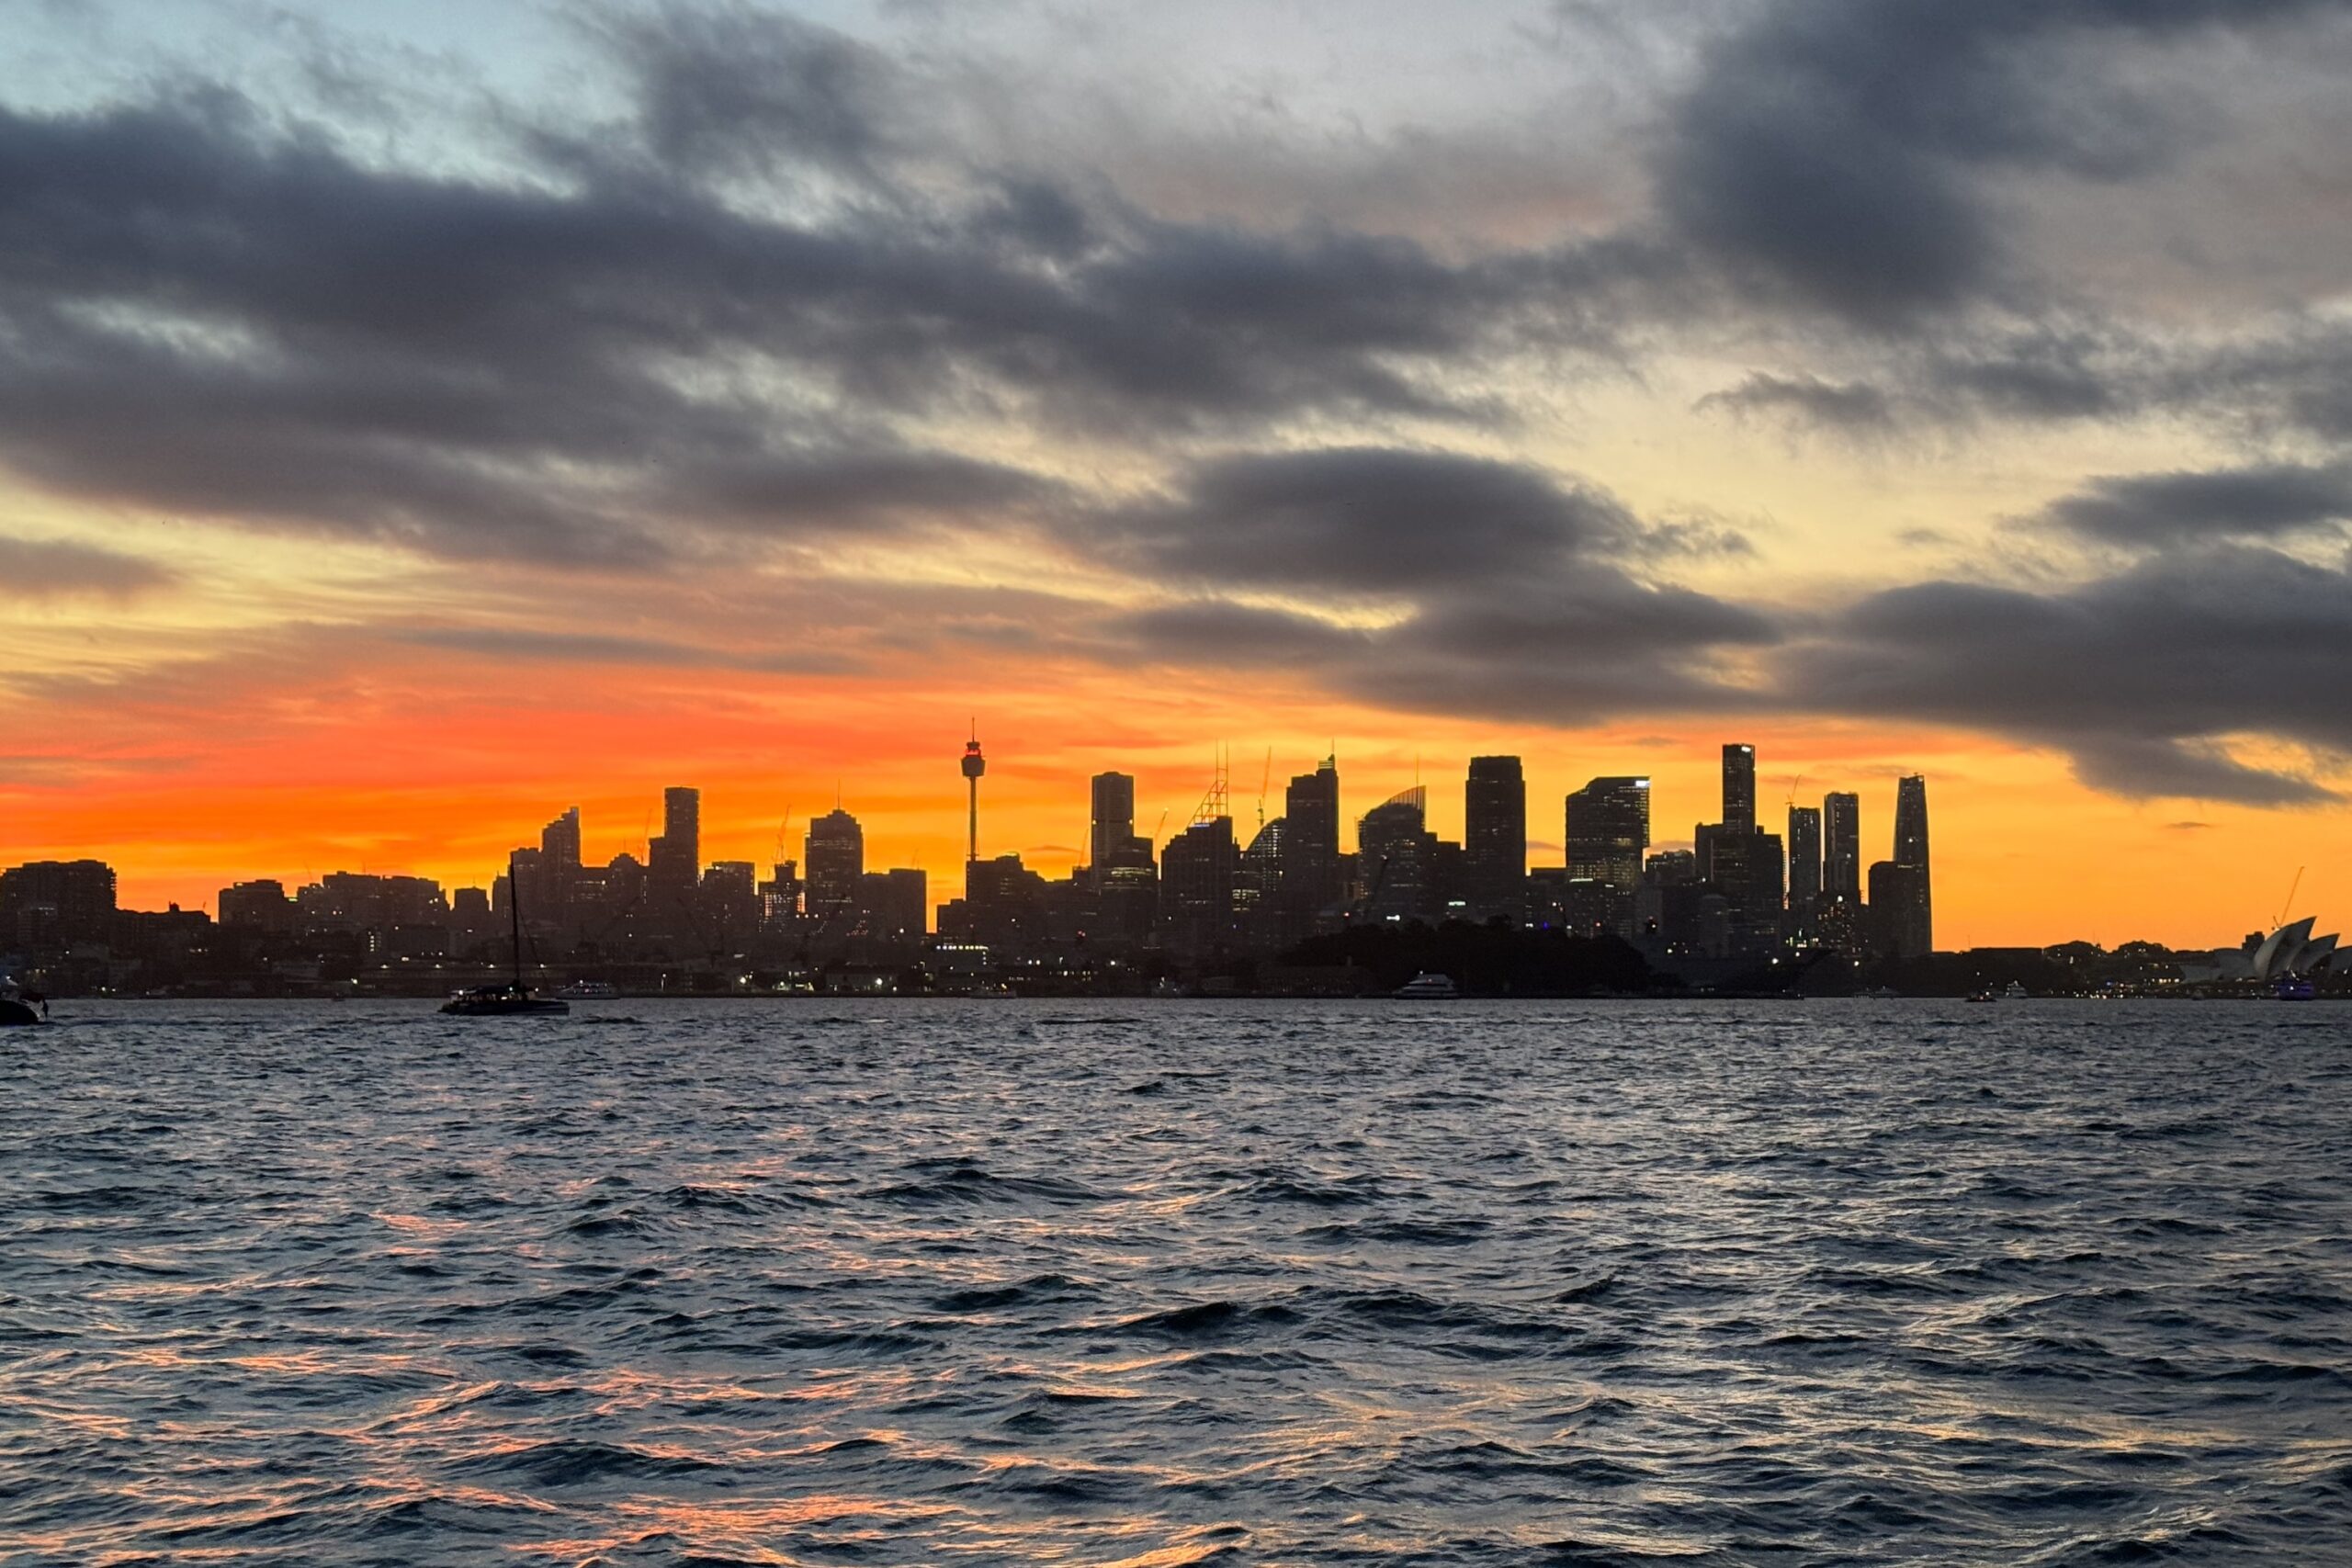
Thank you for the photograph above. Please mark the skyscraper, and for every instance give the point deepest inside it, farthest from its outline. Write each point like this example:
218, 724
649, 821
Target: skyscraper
1310, 845
1739, 788
1804, 862
674, 858
1494, 838
1608, 828
1113, 819
1841, 870
1911, 853
560, 842
1395, 847
834, 853
1897, 910
1197, 886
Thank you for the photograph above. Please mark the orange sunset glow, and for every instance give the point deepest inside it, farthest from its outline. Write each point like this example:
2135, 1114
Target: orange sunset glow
377, 483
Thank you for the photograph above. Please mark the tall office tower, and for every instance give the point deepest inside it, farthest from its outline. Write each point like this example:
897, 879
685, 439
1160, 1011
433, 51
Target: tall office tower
1841, 870
1257, 882
1127, 888
1394, 849
674, 858
1897, 916
1746, 870
1739, 788
1911, 853
1114, 820
1804, 861
1197, 886
53, 902
1608, 833
560, 842
1494, 838
1609, 830
834, 853
1310, 847
556, 898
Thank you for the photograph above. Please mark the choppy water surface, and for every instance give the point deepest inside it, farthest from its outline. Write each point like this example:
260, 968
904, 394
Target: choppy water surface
1158, 1283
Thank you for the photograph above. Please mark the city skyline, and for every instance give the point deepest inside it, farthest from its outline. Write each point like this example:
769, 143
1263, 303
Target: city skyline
932, 835
1210, 903
418, 416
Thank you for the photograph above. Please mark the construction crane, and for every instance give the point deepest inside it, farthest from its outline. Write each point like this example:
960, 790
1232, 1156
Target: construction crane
1266, 781
2293, 889
1792, 801
1214, 805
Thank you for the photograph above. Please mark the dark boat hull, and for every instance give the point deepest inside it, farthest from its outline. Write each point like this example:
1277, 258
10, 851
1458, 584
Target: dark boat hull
14, 1014
503, 1003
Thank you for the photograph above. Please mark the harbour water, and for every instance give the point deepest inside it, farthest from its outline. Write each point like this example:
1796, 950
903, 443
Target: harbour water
1157, 1283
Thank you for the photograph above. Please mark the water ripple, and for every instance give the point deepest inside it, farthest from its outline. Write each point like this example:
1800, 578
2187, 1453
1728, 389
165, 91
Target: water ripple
1234, 1284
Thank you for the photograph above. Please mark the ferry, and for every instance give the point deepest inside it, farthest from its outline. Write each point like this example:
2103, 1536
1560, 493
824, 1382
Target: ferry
589, 992
1427, 987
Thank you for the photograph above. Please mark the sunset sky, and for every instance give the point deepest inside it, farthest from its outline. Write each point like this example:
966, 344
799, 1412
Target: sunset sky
417, 418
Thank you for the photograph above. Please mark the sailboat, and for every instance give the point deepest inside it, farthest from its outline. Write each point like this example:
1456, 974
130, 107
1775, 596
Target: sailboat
513, 997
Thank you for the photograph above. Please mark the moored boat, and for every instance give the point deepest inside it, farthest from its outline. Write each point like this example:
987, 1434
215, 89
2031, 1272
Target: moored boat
1426, 986
513, 998
20, 1008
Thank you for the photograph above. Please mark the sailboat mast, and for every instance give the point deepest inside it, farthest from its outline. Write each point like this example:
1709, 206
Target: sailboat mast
514, 914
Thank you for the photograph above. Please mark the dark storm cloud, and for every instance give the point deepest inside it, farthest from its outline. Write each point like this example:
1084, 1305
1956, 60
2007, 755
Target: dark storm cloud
2141, 677
1512, 593
1365, 519
2294, 380
56, 569
1220, 632
2250, 503
207, 312
1833, 151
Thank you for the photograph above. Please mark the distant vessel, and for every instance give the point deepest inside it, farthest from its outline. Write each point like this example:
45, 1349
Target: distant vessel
512, 997
2294, 989
20, 1007
589, 992
1427, 987
2014, 991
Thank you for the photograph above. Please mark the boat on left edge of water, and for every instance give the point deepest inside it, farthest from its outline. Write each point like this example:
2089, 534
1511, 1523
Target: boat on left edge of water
512, 999
20, 1008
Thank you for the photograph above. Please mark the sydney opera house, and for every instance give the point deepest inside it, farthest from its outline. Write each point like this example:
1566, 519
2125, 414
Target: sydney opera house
2293, 950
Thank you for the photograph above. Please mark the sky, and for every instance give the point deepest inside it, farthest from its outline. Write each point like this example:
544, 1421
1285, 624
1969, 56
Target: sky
417, 419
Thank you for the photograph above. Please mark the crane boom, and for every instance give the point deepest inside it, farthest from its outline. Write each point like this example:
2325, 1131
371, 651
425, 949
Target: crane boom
2292, 888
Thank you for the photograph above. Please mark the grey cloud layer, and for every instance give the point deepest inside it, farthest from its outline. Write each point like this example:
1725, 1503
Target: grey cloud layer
774, 296
1836, 151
